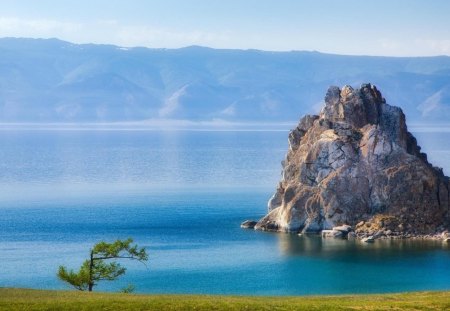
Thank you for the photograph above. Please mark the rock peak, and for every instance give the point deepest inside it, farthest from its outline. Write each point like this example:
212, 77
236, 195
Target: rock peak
355, 106
356, 161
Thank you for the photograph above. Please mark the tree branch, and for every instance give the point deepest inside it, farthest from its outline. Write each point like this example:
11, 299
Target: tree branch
120, 257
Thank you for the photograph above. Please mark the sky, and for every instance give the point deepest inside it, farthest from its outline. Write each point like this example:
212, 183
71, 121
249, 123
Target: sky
353, 27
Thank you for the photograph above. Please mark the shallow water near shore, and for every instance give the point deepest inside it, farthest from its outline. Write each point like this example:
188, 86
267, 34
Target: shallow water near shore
183, 195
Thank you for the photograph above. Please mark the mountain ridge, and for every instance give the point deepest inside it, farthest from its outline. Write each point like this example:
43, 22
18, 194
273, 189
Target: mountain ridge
50, 80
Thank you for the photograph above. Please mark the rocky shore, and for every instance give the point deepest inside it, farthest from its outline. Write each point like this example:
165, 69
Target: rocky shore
369, 232
356, 167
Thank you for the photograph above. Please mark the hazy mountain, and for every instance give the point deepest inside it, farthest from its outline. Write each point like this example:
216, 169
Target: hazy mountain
56, 81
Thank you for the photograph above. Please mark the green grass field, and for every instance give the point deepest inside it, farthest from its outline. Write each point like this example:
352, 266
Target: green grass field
28, 299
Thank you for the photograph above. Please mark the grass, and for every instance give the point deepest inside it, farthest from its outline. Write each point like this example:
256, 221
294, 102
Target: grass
29, 299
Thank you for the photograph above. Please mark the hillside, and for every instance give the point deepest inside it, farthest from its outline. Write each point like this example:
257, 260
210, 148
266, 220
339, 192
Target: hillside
48, 80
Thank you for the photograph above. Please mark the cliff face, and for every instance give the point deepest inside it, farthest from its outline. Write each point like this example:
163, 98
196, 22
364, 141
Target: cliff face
354, 162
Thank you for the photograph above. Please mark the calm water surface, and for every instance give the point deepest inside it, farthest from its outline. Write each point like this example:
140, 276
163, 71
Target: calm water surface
183, 195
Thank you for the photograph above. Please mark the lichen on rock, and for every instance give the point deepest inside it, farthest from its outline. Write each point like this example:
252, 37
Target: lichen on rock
354, 162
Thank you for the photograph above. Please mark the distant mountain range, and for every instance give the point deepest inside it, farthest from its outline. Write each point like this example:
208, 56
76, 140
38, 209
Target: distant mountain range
48, 80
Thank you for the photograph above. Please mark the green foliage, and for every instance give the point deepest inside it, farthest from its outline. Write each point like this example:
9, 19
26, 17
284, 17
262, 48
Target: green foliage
79, 280
99, 266
119, 249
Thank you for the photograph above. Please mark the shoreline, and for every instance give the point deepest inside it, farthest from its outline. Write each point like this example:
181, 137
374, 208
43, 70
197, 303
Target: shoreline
363, 231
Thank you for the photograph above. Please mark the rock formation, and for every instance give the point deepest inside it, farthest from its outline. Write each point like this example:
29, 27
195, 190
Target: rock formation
357, 164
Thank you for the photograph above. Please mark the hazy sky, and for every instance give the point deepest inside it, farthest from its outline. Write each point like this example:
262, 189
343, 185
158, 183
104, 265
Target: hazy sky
381, 27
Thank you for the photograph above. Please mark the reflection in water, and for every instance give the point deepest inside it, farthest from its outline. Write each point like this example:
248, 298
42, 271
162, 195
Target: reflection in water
313, 245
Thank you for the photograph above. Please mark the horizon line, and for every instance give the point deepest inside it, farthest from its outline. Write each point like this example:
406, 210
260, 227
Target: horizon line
220, 49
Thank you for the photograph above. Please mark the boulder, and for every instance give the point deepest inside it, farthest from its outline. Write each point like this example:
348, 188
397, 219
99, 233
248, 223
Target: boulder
356, 164
369, 239
343, 228
248, 224
332, 234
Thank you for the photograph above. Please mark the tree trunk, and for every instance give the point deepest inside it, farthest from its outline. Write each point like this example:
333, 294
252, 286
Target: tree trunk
91, 268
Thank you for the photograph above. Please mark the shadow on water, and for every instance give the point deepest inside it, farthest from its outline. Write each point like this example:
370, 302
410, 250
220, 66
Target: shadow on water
292, 245
316, 265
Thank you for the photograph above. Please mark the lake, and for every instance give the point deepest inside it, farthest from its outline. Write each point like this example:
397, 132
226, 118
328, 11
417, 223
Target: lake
182, 195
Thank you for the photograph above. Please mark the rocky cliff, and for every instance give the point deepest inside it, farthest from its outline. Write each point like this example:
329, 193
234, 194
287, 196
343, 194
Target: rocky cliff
356, 163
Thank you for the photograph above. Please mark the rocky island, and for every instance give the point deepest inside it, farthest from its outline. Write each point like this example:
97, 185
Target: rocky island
355, 170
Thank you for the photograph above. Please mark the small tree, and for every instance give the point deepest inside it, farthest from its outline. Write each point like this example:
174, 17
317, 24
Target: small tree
96, 268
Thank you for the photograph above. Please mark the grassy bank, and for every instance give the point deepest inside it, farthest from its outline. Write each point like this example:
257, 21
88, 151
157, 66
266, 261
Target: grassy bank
28, 299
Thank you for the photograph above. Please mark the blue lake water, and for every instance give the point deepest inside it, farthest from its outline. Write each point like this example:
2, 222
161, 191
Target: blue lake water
182, 195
